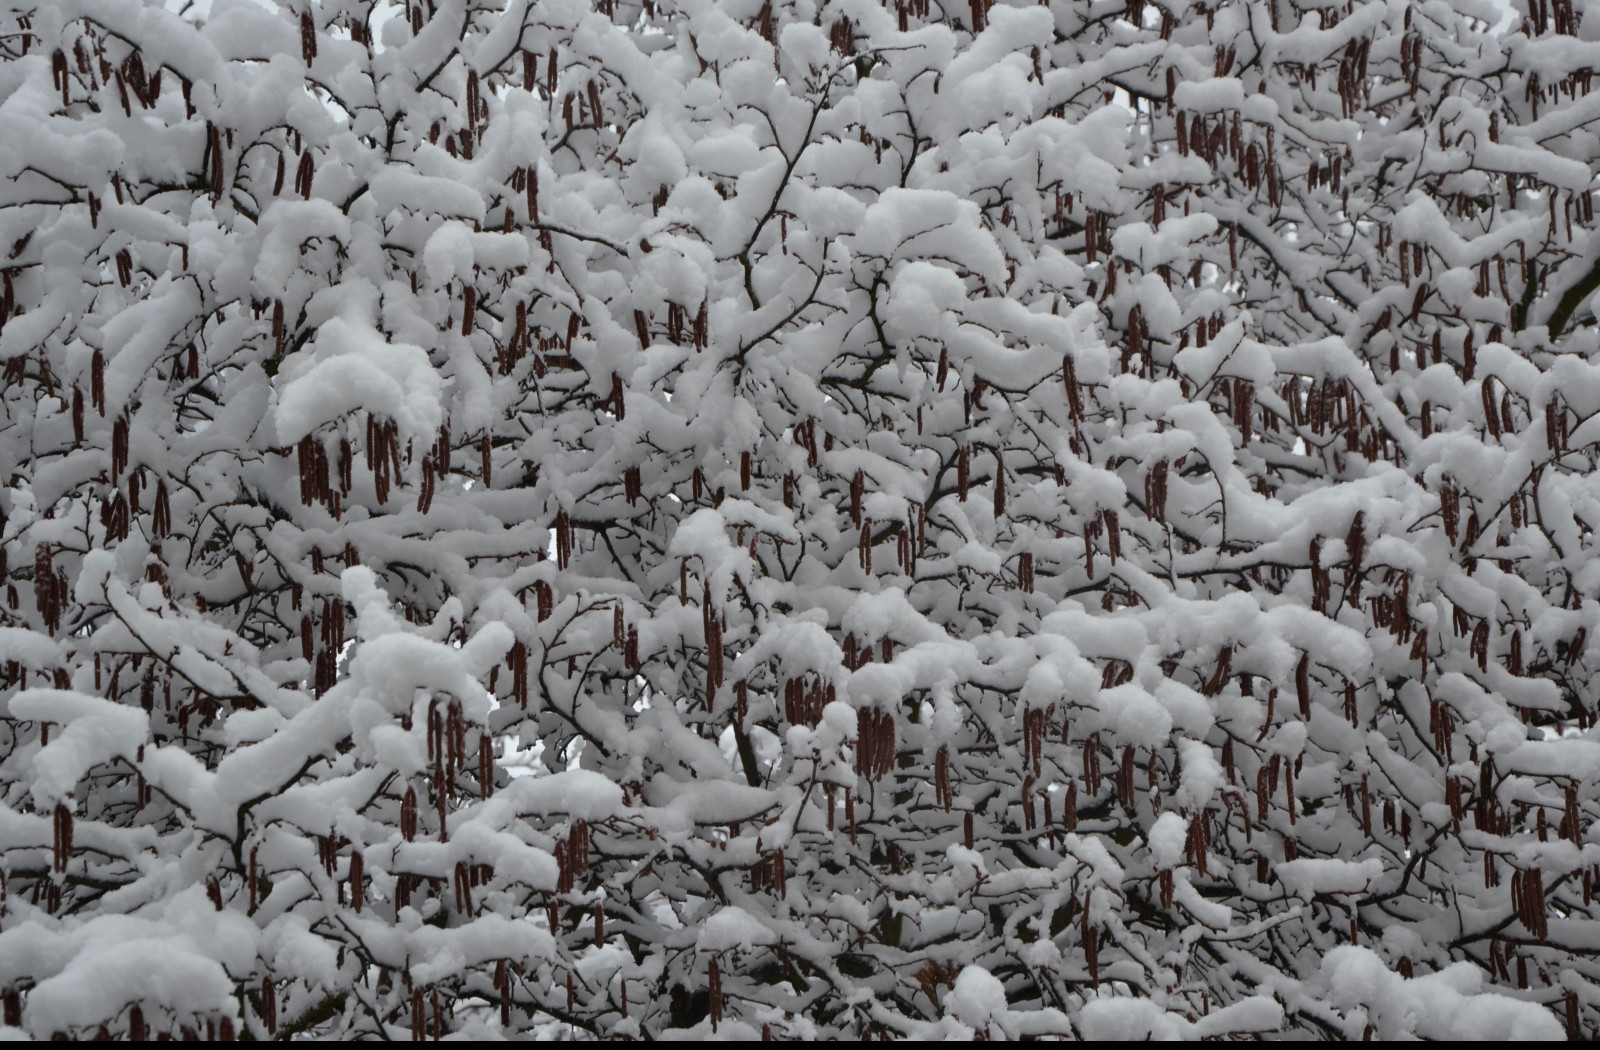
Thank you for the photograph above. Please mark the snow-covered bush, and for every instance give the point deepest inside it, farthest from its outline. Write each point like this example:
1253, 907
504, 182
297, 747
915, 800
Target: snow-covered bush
1006, 519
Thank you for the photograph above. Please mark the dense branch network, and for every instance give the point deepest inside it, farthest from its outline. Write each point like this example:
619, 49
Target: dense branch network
1066, 519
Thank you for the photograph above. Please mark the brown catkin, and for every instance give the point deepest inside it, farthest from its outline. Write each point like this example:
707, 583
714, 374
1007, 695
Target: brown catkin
357, 880
269, 1005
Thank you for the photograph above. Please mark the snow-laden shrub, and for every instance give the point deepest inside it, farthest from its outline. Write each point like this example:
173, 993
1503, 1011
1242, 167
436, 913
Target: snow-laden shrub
1009, 519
